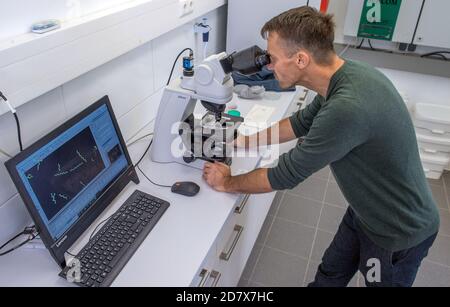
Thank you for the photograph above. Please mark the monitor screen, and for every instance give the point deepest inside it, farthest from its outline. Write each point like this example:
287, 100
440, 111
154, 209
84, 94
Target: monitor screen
67, 175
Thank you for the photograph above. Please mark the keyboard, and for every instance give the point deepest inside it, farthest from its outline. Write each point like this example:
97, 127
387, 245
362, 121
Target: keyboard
105, 255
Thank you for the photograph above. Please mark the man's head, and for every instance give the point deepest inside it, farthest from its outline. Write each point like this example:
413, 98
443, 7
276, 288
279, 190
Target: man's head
298, 39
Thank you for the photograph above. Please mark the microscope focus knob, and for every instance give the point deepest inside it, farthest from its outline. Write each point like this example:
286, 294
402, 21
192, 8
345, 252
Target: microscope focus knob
204, 75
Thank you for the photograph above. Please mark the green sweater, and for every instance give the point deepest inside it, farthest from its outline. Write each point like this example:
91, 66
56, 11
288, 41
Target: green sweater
362, 129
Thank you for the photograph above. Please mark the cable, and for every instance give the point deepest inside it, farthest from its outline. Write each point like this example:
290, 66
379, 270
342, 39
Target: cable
5, 154
70, 254
13, 111
140, 160
19, 135
344, 50
30, 231
134, 142
437, 53
370, 44
176, 60
145, 153
139, 139
360, 45
100, 224
159, 185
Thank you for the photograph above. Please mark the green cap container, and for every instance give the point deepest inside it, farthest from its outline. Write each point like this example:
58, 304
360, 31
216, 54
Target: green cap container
234, 113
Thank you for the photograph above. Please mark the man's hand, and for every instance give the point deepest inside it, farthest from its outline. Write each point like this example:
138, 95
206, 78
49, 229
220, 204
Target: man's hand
217, 175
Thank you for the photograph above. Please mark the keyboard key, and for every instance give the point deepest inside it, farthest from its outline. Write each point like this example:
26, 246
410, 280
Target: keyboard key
119, 255
131, 220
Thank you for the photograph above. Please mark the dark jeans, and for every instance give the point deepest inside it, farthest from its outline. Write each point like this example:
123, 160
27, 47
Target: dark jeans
351, 250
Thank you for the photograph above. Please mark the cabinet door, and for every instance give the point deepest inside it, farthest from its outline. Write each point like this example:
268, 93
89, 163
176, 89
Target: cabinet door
434, 27
234, 253
203, 274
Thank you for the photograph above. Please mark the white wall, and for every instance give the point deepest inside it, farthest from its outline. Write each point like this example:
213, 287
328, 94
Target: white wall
134, 83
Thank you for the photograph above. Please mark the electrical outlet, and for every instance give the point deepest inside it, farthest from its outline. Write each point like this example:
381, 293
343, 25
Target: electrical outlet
186, 7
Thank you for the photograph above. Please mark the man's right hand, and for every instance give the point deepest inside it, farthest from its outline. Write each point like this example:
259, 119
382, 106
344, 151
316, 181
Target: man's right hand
284, 133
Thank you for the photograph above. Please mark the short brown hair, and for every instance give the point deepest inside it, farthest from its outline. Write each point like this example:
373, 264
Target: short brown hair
304, 28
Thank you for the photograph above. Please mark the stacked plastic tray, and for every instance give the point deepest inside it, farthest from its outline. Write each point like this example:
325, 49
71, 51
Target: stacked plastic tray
432, 124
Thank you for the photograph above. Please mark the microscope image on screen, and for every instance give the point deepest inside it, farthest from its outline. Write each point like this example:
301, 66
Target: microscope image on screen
71, 168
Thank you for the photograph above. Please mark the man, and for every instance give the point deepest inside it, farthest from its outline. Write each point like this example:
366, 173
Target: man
359, 125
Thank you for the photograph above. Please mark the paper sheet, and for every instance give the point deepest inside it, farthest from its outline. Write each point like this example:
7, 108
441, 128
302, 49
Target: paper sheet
259, 115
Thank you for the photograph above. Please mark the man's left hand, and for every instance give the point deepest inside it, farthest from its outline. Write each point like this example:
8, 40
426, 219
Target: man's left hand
217, 175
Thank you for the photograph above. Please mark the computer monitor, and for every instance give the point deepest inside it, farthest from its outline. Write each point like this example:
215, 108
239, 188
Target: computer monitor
69, 177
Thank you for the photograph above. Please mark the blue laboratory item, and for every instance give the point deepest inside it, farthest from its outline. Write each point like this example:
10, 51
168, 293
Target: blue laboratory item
188, 63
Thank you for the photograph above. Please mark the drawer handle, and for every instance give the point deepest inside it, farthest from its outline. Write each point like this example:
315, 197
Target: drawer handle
431, 151
216, 276
440, 132
204, 274
426, 170
227, 255
241, 207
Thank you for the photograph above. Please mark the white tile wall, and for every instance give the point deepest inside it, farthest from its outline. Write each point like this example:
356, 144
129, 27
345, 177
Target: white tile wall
37, 118
134, 83
128, 80
132, 122
13, 218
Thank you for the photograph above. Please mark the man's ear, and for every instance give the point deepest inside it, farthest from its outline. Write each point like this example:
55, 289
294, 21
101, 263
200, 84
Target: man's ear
303, 59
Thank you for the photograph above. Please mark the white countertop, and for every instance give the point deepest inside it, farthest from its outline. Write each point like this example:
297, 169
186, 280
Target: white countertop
176, 247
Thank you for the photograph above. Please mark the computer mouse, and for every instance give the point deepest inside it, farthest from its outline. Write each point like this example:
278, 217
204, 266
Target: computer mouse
186, 188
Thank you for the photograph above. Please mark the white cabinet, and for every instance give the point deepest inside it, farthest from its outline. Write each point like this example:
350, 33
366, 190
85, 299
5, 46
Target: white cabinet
226, 260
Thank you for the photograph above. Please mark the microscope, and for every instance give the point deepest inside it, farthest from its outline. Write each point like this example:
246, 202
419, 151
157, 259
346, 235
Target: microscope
181, 136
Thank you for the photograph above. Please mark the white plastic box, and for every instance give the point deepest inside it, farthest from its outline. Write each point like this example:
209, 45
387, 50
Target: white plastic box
434, 146
432, 120
434, 166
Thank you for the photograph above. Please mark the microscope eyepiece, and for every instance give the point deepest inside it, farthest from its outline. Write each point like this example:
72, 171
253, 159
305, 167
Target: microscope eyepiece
262, 60
247, 62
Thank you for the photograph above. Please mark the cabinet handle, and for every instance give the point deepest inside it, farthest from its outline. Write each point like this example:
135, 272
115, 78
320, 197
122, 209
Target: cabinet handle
227, 255
431, 151
426, 170
216, 276
241, 207
440, 132
204, 274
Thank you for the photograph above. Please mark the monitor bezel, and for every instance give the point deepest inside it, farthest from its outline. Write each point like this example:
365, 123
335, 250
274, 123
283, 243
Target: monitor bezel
58, 248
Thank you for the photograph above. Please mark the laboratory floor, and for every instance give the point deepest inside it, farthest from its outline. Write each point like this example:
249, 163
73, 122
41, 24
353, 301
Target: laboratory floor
301, 224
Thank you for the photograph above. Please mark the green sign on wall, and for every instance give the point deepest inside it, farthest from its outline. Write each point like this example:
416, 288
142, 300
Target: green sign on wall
379, 18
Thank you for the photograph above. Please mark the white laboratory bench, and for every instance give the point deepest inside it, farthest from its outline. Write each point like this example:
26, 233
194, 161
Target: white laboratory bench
200, 241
